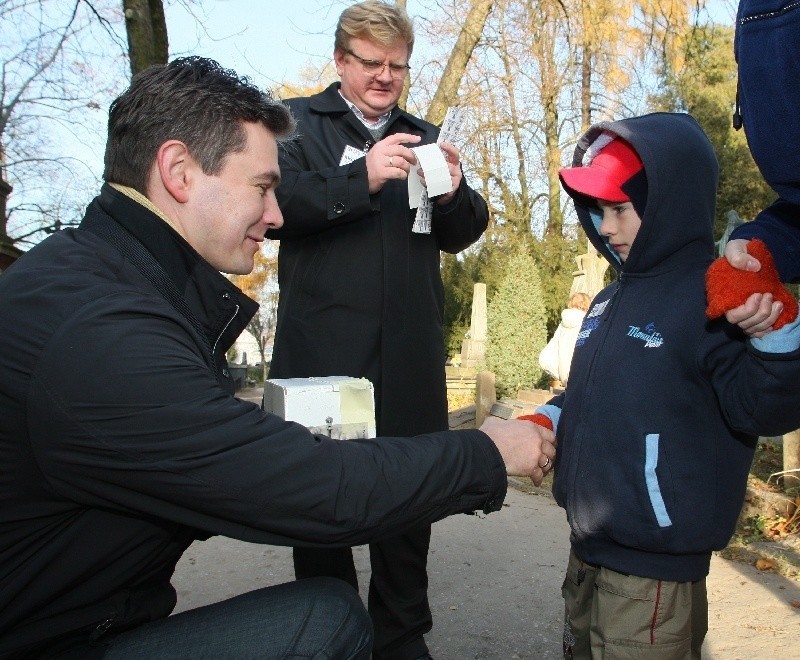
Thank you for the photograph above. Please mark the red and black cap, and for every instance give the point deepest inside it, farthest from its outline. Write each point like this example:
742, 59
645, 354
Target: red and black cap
616, 174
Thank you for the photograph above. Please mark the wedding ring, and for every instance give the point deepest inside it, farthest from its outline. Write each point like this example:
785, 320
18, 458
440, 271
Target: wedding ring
391, 161
546, 463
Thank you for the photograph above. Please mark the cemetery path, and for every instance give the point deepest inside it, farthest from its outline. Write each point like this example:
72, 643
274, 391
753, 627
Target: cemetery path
495, 585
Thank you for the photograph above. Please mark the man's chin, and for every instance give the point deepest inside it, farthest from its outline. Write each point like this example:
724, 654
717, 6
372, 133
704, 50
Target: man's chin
241, 268
381, 103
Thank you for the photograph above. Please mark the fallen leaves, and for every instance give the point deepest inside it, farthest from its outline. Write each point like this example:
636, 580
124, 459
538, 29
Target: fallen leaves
765, 564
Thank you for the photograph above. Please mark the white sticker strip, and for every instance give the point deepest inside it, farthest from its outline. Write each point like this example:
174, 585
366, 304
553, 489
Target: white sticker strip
452, 127
451, 132
437, 175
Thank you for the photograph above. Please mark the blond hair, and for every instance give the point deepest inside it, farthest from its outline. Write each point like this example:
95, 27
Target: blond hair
580, 301
377, 21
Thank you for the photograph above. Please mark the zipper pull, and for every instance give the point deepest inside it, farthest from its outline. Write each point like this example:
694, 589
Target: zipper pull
101, 630
737, 112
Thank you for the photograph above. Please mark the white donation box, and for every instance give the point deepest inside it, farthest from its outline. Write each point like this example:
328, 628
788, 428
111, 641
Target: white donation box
337, 406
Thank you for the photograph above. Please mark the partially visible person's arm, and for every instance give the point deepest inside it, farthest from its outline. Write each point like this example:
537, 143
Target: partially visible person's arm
152, 433
778, 226
756, 379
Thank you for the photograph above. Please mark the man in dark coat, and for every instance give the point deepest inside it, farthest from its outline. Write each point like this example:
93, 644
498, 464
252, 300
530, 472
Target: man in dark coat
360, 290
121, 440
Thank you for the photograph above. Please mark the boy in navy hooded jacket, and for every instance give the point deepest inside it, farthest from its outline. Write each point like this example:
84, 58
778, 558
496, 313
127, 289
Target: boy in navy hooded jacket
657, 429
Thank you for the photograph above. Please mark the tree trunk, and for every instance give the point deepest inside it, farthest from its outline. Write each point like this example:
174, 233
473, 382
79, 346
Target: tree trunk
791, 459
586, 88
519, 146
555, 219
403, 100
447, 92
5, 191
147, 33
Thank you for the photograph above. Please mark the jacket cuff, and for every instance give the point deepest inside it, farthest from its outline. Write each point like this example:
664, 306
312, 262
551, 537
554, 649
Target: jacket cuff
784, 340
552, 413
498, 477
454, 203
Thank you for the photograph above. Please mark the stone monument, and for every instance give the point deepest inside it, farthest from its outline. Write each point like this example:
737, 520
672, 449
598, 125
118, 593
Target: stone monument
473, 348
588, 278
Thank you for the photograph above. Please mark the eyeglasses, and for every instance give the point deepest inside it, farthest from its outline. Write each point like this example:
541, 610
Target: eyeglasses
374, 68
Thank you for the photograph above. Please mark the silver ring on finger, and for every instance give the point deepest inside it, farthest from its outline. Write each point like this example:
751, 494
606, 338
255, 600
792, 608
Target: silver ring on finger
547, 463
391, 161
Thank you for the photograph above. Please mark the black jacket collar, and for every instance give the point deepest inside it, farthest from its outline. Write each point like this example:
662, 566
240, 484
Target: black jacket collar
221, 308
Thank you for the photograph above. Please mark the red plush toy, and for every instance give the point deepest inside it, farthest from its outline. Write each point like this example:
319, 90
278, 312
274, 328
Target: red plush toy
728, 287
538, 418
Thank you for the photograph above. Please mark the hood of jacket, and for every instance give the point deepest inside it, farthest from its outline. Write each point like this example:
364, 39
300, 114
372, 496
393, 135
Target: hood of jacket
572, 318
682, 174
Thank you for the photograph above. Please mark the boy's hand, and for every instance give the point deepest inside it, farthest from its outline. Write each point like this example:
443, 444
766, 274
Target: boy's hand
745, 286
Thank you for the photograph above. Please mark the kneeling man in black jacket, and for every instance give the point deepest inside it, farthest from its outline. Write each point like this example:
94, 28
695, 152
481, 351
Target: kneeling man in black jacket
122, 441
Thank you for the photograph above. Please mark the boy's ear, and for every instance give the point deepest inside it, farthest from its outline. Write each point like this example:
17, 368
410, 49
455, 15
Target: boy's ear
174, 165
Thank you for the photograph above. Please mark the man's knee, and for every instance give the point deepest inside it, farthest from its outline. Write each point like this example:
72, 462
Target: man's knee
338, 609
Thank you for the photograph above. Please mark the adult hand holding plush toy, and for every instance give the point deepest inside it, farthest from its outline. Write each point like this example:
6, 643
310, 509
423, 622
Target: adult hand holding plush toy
749, 298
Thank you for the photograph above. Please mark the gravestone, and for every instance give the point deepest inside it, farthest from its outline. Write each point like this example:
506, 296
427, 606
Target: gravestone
473, 348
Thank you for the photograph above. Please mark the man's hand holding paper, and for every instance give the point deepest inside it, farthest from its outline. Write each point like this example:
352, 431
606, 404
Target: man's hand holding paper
436, 173
390, 158
452, 160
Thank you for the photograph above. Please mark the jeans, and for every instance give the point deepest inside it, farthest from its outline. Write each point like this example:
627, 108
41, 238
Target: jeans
768, 54
398, 589
319, 618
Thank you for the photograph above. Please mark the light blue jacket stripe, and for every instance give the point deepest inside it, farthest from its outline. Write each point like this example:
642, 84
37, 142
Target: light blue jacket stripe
653, 489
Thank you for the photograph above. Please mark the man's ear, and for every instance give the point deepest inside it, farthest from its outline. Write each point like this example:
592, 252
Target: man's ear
338, 60
175, 165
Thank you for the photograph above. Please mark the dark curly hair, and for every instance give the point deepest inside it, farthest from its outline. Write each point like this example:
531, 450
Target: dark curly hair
191, 99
